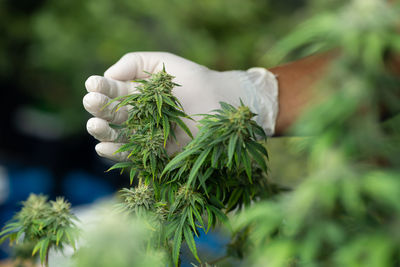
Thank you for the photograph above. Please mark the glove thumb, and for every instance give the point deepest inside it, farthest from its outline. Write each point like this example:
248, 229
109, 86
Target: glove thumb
133, 66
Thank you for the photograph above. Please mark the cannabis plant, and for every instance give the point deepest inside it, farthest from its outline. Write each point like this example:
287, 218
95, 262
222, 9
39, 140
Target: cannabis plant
346, 212
45, 224
221, 169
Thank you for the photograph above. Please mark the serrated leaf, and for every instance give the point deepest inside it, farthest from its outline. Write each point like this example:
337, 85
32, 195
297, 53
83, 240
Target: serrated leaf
247, 164
231, 147
59, 235
182, 125
159, 102
257, 157
132, 174
37, 247
217, 151
178, 158
124, 148
43, 250
197, 164
259, 131
203, 178
190, 242
191, 221
259, 147
233, 199
198, 217
219, 214
153, 164
166, 129
176, 248
120, 165
209, 219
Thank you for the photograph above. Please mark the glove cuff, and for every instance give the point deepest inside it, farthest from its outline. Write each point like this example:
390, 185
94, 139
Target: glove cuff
261, 96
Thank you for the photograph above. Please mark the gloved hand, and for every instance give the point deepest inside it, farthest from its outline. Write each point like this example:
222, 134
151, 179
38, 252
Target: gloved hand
200, 92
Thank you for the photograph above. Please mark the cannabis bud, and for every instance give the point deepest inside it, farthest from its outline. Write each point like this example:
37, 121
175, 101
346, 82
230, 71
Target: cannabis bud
138, 198
45, 224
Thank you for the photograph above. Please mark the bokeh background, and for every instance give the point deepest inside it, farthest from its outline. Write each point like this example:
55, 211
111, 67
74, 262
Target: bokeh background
49, 47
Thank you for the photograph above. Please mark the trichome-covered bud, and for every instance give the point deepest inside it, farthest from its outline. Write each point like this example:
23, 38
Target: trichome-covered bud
161, 210
162, 82
241, 116
61, 206
35, 207
138, 198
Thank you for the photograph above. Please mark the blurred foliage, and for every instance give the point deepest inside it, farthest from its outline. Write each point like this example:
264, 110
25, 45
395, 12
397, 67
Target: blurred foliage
117, 240
48, 225
346, 211
50, 47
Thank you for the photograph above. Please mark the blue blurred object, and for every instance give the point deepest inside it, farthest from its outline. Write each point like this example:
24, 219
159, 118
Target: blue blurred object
209, 246
28, 180
80, 187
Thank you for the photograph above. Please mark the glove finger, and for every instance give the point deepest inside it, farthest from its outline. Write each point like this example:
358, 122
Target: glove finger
132, 66
107, 150
101, 130
109, 87
95, 104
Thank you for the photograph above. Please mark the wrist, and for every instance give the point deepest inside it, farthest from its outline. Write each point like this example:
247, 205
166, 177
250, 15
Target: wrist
260, 94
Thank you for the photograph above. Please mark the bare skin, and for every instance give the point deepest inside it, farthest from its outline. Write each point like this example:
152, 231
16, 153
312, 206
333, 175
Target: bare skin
296, 80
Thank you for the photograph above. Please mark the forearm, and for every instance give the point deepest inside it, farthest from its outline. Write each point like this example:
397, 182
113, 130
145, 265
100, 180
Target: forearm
296, 86
296, 80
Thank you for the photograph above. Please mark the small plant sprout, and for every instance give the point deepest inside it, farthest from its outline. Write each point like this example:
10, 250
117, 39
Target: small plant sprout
46, 224
221, 169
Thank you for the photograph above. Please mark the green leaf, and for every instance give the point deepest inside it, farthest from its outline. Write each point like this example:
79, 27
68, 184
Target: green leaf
132, 174
209, 219
259, 147
71, 240
247, 164
233, 199
219, 214
125, 147
217, 151
191, 221
182, 125
190, 242
159, 102
177, 159
226, 106
37, 247
120, 165
43, 250
203, 178
59, 235
231, 147
259, 131
177, 245
170, 102
166, 128
197, 164
153, 164
257, 157
198, 217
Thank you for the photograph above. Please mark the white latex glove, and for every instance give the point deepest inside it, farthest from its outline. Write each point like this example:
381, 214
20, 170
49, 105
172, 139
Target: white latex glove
200, 92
